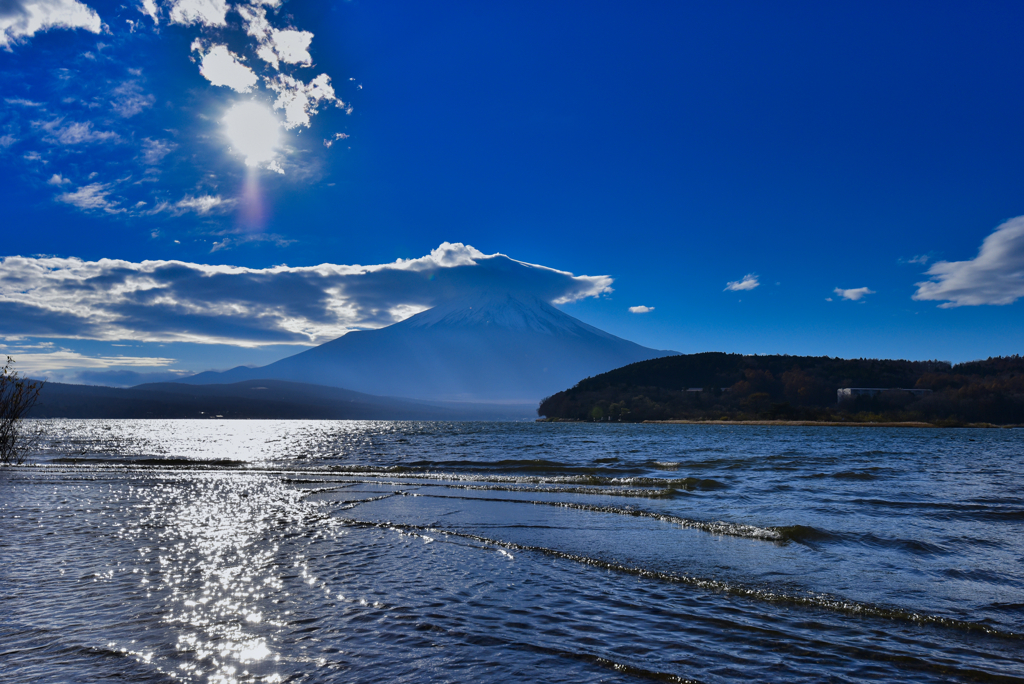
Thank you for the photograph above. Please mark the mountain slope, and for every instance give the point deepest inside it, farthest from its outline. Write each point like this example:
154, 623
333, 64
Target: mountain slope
491, 347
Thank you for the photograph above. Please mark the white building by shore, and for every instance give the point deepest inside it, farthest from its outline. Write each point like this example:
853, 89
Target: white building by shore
851, 392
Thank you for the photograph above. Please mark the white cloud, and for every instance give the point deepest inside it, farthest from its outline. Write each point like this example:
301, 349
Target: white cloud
22, 19
995, 276
299, 100
255, 20
203, 12
64, 359
640, 309
749, 282
90, 197
58, 180
168, 301
328, 142
149, 8
153, 151
853, 294
7, 140
276, 45
221, 67
292, 46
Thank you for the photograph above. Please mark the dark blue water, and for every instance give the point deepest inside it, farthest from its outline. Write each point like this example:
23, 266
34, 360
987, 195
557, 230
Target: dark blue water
266, 551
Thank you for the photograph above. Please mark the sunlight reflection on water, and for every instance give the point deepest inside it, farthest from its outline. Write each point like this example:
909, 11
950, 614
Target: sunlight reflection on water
256, 442
219, 584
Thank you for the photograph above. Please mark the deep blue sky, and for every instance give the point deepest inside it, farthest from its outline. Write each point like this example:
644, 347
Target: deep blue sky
675, 147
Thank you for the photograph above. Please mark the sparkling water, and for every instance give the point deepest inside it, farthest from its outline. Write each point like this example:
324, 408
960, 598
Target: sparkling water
323, 551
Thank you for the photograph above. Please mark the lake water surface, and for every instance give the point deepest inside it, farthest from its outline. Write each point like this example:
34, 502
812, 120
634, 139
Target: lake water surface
345, 551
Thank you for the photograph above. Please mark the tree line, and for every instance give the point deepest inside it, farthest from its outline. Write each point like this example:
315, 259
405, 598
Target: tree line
719, 386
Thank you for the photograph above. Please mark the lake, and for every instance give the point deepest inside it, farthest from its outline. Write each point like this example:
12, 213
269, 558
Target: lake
340, 551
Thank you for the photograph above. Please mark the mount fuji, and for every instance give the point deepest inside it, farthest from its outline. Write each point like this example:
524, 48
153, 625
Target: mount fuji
490, 347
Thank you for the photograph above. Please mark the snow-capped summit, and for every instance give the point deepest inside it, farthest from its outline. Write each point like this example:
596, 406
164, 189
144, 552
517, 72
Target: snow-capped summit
504, 310
493, 346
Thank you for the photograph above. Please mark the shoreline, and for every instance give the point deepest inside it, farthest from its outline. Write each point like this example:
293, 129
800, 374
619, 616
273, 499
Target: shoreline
823, 423
793, 423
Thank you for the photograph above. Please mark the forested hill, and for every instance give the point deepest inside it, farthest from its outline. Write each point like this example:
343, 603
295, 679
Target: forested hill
734, 386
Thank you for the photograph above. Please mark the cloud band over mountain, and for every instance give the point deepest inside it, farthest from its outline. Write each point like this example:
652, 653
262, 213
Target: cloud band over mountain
175, 301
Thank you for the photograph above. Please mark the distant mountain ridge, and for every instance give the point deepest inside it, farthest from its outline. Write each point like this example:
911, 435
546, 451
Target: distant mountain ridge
253, 399
492, 347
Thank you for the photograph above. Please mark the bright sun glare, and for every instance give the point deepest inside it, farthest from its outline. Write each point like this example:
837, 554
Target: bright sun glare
253, 130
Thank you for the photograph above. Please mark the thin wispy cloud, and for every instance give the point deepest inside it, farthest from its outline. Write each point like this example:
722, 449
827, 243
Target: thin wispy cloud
130, 100
74, 132
994, 276
854, 294
236, 240
65, 359
92, 197
748, 282
203, 204
175, 301
53, 363
153, 151
20, 101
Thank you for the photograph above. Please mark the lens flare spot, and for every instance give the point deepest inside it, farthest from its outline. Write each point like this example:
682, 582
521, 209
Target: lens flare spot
253, 131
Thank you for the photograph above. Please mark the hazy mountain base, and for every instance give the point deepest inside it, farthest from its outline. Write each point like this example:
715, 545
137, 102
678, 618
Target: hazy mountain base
254, 399
504, 347
796, 388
